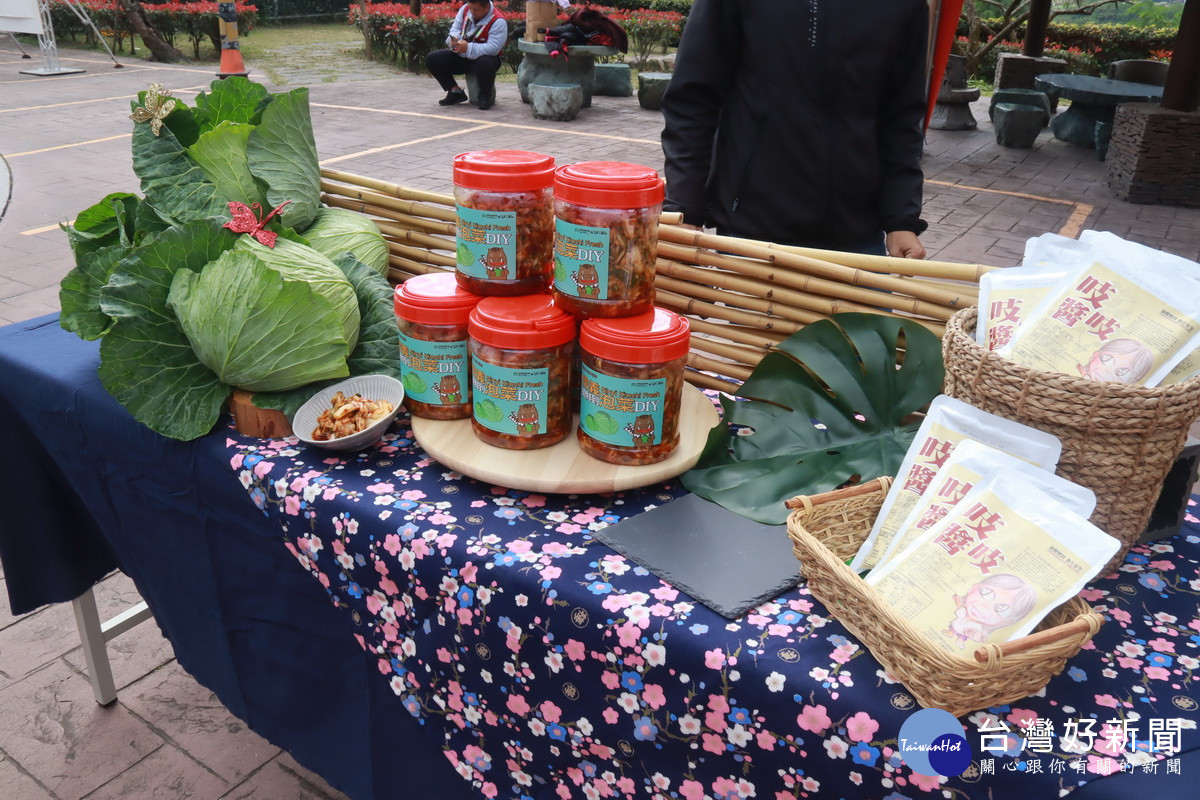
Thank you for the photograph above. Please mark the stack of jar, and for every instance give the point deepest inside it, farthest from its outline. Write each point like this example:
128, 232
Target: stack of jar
553, 298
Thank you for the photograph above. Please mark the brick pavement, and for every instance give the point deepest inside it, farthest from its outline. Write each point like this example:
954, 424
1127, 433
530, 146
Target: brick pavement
66, 141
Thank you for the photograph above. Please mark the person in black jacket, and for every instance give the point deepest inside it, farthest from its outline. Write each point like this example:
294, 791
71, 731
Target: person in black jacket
800, 122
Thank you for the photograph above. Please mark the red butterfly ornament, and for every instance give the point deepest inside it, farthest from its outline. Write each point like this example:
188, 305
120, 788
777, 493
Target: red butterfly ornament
245, 220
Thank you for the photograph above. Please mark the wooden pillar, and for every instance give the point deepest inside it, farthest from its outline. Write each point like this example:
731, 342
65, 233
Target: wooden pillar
1034, 45
1182, 92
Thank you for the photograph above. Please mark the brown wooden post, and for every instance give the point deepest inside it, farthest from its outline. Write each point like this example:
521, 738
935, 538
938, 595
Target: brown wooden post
1182, 92
1034, 45
366, 29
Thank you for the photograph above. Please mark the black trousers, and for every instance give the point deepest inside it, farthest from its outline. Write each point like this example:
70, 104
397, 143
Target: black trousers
445, 64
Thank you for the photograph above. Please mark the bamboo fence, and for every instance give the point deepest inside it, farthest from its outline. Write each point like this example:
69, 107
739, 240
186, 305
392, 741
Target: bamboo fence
741, 296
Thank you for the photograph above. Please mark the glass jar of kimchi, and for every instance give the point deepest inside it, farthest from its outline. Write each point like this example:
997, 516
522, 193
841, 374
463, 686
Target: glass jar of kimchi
505, 228
606, 237
521, 354
432, 312
631, 386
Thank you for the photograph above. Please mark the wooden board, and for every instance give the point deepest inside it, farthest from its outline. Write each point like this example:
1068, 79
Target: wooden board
250, 420
563, 468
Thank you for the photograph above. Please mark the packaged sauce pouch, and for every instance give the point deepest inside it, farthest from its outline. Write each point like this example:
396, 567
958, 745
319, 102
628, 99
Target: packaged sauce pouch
948, 422
1005, 556
1128, 316
1006, 296
970, 462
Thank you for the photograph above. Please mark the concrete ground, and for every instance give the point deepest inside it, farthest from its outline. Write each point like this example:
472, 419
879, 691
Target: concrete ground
66, 142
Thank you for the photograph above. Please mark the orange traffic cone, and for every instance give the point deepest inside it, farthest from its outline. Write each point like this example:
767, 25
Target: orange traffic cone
231, 52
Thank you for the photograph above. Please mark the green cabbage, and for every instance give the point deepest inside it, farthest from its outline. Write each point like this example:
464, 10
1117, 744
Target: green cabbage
339, 230
263, 325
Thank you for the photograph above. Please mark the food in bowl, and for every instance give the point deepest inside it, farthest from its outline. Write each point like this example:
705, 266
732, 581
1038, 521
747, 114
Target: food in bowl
347, 415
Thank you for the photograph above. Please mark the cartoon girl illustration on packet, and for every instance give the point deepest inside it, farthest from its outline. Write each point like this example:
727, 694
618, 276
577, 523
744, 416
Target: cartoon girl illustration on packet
1121, 361
995, 602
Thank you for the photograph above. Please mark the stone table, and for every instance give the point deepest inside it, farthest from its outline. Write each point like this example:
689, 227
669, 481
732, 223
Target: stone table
1093, 100
538, 66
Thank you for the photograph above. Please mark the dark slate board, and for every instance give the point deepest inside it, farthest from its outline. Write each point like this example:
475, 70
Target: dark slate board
723, 560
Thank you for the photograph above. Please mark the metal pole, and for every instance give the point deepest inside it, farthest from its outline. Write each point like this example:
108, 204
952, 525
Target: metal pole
49, 48
1034, 45
1182, 92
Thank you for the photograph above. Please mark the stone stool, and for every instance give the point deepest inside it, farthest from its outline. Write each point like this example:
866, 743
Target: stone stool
473, 89
952, 112
554, 102
1017, 125
612, 80
1021, 97
651, 88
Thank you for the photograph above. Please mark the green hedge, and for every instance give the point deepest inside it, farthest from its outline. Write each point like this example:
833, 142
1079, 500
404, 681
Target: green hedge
195, 22
1103, 42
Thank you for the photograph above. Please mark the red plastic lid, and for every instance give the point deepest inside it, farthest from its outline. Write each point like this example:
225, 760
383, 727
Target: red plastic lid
434, 299
652, 337
608, 184
525, 322
503, 170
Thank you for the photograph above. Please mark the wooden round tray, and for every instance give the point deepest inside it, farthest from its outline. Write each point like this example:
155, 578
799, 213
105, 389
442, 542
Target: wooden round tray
563, 468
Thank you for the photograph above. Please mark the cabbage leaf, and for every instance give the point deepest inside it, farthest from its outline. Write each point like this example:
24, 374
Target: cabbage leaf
283, 155
221, 153
340, 230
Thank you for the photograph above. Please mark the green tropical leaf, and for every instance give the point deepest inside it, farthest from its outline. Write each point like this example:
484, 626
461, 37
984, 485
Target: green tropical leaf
824, 408
146, 361
283, 155
221, 153
378, 348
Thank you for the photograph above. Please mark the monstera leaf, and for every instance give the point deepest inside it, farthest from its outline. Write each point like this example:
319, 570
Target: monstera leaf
827, 406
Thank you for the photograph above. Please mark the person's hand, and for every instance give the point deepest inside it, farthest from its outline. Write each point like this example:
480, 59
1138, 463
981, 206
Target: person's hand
459, 46
904, 244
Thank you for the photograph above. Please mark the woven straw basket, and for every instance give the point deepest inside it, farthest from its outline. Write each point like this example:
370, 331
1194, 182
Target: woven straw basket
826, 529
1119, 441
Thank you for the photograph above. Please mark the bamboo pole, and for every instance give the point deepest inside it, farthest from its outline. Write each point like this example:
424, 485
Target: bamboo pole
824, 269
763, 340
764, 307
386, 187
387, 201
421, 255
705, 381
410, 222
898, 300
415, 237
690, 305
734, 352
739, 371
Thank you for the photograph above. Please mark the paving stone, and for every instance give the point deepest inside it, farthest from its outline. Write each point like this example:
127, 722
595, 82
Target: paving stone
273, 782
166, 774
192, 718
19, 785
58, 734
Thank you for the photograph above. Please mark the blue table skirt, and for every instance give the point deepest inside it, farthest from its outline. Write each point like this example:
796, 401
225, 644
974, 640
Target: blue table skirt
381, 604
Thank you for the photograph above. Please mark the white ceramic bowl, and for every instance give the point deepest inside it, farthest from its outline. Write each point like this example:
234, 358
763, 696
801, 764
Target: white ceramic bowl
372, 387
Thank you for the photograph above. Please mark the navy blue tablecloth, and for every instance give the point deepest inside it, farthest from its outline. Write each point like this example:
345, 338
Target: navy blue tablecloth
393, 623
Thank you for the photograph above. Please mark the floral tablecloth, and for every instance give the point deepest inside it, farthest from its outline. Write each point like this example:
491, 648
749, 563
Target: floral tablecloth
548, 666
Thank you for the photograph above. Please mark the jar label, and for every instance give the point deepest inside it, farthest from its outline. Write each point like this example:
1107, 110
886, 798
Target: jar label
487, 244
622, 412
509, 401
434, 372
581, 260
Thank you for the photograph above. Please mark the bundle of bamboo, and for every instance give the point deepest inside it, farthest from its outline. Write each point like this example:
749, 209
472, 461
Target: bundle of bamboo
741, 296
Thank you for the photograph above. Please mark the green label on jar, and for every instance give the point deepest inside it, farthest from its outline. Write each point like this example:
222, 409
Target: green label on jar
509, 401
622, 412
581, 260
434, 372
487, 244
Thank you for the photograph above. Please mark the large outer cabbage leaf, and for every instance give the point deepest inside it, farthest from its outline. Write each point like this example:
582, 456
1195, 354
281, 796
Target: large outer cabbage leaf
234, 99
100, 237
378, 347
221, 153
283, 155
172, 181
828, 405
257, 327
146, 361
300, 262
338, 230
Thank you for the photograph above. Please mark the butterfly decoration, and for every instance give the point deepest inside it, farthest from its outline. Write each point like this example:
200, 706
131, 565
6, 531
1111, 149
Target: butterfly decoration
245, 220
158, 105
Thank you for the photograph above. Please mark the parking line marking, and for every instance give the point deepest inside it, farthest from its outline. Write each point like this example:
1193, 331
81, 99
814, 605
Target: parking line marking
361, 153
65, 146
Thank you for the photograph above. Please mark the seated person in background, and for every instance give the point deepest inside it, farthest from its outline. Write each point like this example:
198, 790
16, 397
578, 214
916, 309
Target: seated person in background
476, 38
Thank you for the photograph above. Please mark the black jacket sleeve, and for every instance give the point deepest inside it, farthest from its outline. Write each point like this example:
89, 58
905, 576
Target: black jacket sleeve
708, 55
901, 129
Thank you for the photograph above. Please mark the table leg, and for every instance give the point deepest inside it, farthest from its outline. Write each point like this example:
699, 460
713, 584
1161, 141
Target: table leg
94, 635
1077, 124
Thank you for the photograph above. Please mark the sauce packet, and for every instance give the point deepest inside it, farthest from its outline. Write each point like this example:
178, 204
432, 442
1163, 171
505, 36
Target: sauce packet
970, 462
1004, 557
1128, 316
1007, 296
948, 422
